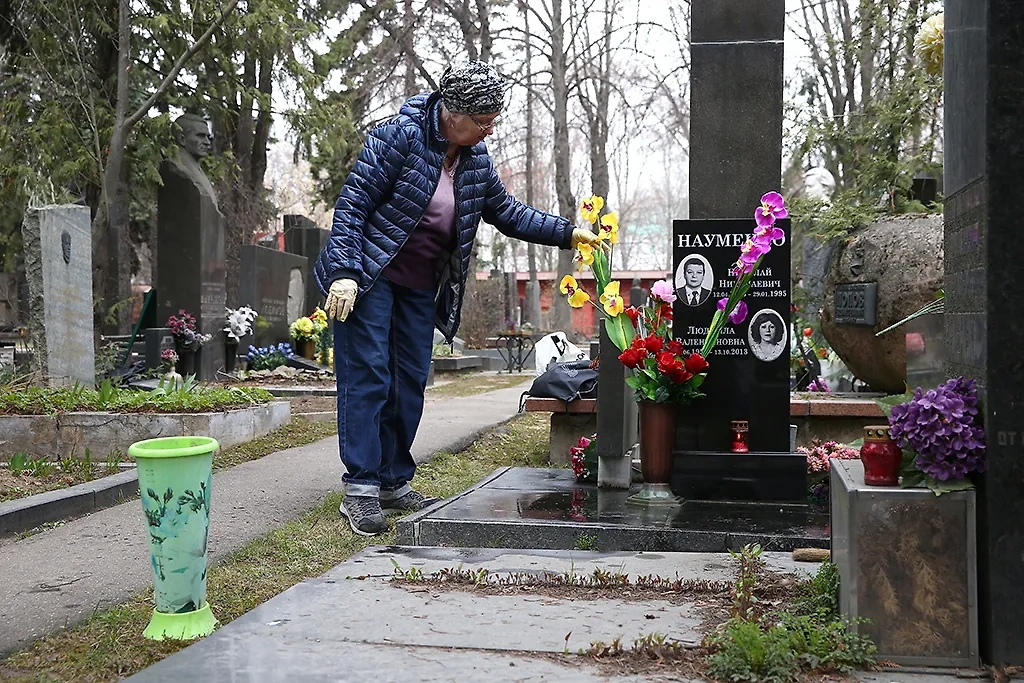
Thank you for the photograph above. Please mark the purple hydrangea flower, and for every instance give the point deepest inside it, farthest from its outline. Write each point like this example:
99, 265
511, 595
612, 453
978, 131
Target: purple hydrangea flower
943, 427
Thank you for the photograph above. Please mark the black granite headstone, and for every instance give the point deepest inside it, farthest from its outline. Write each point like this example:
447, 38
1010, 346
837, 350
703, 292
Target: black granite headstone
749, 374
303, 237
736, 78
190, 261
274, 284
984, 314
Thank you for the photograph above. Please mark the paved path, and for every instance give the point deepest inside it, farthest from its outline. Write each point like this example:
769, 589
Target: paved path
61, 576
351, 624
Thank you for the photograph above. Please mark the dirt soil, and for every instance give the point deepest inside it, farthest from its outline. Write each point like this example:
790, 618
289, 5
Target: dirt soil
313, 404
14, 486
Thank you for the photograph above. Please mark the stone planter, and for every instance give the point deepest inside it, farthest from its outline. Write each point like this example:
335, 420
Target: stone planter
69, 434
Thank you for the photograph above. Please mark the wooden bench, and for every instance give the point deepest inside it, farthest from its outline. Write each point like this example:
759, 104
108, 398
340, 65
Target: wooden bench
569, 421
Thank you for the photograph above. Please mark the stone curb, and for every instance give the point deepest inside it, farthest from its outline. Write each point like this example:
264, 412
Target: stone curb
322, 416
299, 392
52, 506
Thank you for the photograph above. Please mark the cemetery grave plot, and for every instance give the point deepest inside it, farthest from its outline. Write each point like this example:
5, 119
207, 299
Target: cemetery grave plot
22, 476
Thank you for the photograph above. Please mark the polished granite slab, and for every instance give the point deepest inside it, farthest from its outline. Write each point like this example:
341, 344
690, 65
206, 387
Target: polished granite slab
545, 508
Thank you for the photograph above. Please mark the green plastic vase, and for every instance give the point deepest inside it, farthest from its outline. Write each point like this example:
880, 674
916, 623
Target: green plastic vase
175, 477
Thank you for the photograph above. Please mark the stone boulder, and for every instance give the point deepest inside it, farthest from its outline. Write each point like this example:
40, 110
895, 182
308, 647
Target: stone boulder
903, 254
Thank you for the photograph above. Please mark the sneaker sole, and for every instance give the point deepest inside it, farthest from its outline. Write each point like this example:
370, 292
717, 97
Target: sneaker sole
348, 518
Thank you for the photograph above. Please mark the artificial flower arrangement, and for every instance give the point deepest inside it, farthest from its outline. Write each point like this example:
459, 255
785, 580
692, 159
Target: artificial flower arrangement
239, 322
268, 357
309, 328
663, 371
185, 332
941, 435
819, 458
583, 458
169, 357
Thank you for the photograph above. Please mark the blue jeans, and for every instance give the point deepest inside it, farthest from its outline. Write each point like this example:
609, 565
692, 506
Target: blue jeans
381, 360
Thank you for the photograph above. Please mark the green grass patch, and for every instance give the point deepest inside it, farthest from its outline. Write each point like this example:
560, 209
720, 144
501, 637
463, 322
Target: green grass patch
780, 646
298, 432
188, 398
473, 383
109, 645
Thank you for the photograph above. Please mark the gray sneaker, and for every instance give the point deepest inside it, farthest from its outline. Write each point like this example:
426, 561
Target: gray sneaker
364, 515
410, 502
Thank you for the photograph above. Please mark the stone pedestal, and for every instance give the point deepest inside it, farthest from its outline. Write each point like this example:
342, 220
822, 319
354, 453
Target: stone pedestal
58, 266
984, 318
890, 544
617, 419
190, 261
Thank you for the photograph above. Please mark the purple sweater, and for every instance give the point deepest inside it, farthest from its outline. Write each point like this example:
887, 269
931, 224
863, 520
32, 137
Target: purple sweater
415, 264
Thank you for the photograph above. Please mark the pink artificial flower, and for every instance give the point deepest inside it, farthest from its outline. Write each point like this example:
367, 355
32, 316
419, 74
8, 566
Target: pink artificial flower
662, 290
739, 312
583, 442
764, 236
750, 252
773, 206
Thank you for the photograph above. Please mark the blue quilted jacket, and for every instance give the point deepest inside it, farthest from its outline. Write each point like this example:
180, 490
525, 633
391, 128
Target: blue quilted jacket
387, 192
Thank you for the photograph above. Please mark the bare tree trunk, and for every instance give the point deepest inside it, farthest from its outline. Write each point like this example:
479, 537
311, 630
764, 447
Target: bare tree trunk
111, 221
533, 288
410, 64
562, 319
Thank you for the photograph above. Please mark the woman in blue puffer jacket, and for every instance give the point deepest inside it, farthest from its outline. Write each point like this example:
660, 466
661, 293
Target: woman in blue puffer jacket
395, 266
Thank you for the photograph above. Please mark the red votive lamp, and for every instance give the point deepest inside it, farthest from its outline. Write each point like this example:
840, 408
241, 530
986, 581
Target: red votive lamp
881, 457
740, 428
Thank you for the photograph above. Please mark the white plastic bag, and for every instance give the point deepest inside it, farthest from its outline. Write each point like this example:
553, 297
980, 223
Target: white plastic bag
555, 348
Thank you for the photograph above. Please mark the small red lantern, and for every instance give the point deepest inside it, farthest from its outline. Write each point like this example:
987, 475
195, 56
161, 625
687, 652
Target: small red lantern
740, 428
881, 457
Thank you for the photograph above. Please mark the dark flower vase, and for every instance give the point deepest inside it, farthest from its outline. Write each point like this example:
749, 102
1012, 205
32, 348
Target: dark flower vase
657, 437
881, 457
230, 355
306, 348
186, 364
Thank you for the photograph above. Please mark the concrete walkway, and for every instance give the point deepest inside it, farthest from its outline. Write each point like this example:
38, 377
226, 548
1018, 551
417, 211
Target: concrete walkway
61, 576
353, 625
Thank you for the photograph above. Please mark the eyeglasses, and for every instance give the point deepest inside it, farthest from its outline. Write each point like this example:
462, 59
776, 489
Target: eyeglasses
485, 127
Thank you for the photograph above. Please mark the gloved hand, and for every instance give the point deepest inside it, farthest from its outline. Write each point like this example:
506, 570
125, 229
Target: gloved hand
584, 236
340, 299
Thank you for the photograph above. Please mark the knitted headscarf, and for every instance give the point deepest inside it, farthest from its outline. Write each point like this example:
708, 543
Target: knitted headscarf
473, 88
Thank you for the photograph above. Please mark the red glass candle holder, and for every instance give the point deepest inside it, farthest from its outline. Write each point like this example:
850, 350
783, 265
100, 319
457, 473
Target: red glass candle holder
881, 457
740, 429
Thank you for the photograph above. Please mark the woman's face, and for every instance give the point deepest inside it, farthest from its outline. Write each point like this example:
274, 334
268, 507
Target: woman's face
469, 129
767, 330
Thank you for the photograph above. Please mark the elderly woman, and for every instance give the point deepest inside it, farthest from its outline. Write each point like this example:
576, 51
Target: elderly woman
395, 266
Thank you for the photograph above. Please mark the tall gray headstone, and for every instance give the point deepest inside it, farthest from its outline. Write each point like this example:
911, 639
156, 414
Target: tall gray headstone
58, 266
984, 315
190, 244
